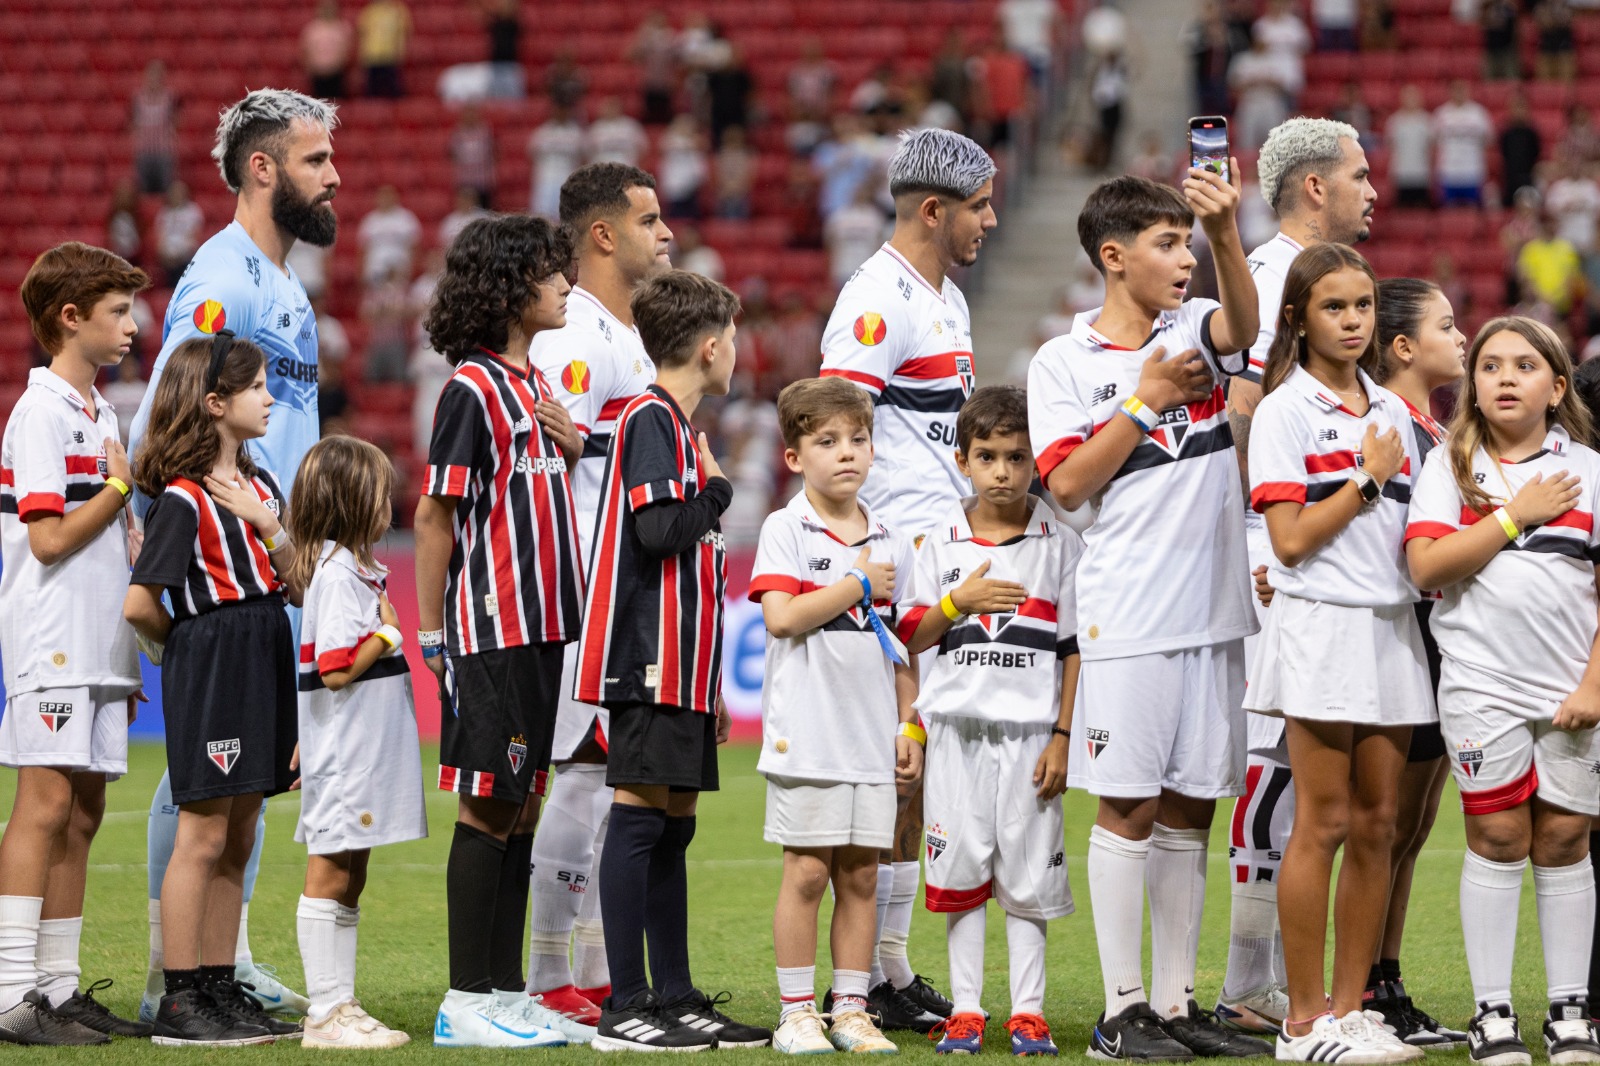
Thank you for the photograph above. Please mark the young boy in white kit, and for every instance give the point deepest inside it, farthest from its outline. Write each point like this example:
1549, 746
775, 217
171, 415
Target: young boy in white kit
993, 593
836, 685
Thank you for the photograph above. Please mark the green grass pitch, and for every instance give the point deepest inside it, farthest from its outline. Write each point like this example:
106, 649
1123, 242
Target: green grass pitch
733, 882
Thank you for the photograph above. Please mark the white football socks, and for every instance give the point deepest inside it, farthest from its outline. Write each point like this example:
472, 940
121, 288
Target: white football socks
563, 864
850, 989
1252, 938
19, 947
885, 889
903, 882
155, 983
1025, 938
347, 922
1490, 893
316, 926
797, 988
590, 968
1116, 892
1176, 877
964, 932
57, 959
1565, 896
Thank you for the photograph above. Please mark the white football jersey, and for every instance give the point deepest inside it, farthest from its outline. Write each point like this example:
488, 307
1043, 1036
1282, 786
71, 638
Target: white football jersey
1164, 564
1528, 617
594, 365
1269, 265
1000, 667
1304, 445
910, 346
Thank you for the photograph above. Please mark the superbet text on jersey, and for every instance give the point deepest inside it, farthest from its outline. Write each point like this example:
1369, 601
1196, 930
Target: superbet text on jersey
910, 345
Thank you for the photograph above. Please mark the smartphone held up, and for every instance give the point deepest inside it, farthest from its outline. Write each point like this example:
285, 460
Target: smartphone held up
1208, 145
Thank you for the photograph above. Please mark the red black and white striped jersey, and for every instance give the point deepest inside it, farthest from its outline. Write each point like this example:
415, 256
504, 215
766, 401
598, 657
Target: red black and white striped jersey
910, 346
998, 667
652, 628
1528, 617
60, 625
1174, 507
202, 553
1426, 432
1304, 445
594, 365
515, 574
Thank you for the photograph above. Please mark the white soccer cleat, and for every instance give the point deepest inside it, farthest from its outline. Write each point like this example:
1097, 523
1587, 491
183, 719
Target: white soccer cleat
478, 1019
349, 1026
1261, 1010
536, 1013
1344, 1040
854, 1032
802, 1032
274, 996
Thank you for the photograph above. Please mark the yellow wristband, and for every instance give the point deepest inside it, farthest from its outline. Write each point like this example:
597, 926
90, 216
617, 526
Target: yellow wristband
1504, 518
948, 605
915, 732
120, 485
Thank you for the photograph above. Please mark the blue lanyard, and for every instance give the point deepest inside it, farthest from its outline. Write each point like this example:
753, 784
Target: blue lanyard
872, 617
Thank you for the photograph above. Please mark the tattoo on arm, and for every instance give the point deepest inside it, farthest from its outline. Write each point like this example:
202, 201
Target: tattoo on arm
1240, 425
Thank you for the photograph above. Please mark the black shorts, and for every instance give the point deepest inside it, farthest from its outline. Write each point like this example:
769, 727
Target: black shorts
228, 693
496, 741
654, 744
1427, 743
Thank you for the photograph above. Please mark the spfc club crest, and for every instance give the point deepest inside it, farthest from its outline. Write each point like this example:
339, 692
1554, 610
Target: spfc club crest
964, 371
223, 753
517, 752
1171, 429
55, 715
1097, 740
936, 841
1469, 756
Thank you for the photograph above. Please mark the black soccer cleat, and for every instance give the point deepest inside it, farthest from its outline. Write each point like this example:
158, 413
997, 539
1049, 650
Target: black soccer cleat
89, 1012
895, 1010
1136, 1035
702, 1012
194, 1018
921, 992
1406, 1020
1493, 1038
1569, 1033
1201, 1032
643, 1024
235, 996
34, 1022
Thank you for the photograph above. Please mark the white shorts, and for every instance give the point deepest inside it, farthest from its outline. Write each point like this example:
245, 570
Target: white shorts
1324, 662
575, 722
72, 728
1266, 732
812, 814
1171, 720
1503, 749
988, 833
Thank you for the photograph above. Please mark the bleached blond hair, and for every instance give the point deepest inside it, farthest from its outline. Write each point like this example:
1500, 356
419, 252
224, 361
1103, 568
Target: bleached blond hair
259, 122
1298, 147
939, 161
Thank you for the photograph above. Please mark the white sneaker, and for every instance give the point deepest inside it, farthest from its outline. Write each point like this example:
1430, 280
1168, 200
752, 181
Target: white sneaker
1261, 1010
477, 1019
801, 1032
349, 1026
1494, 1038
1383, 1036
536, 1013
1331, 1040
1569, 1034
274, 996
853, 1031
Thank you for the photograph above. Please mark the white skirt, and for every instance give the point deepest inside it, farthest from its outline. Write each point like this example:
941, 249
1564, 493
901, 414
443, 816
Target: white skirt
1325, 662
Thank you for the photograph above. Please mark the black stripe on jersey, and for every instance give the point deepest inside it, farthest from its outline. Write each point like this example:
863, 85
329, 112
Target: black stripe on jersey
1426, 441
1553, 544
84, 491
8, 504
386, 666
1011, 636
1066, 647
1195, 443
1321, 490
595, 446
845, 624
927, 401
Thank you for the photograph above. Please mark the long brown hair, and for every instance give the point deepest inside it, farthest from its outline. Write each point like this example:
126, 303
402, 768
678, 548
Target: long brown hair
181, 438
340, 494
1469, 430
1288, 344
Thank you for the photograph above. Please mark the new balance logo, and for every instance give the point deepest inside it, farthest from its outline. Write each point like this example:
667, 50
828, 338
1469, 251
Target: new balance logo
819, 564
1054, 861
1327, 434
1102, 394
950, 577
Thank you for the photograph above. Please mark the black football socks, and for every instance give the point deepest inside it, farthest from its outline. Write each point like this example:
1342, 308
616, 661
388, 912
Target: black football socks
625, 893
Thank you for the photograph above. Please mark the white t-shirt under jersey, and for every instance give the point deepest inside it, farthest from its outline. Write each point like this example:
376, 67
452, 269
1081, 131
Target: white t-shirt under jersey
910, 346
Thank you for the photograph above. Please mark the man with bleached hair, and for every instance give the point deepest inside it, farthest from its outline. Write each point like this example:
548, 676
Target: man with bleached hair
901, 331
273, 149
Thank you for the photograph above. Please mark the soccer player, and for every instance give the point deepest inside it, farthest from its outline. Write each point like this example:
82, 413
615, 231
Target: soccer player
834, 689
499, 587
993, 591
1127, 410
1315, 176
901, 331
71, 669
651, 651
274, 150
595, 364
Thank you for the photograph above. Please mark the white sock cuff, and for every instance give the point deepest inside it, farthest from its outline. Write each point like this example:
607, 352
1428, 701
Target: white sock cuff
850, 982
893, 943
885, 883
1106, 840
1264, 891
318, 910
1563, 880
20, 911
1490, 874
906, 876
590, 932
155, 912
244, 912
547, 942
58, 942
347, 916
1168, 839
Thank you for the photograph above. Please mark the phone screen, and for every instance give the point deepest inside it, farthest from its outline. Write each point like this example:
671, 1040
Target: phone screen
1208, 146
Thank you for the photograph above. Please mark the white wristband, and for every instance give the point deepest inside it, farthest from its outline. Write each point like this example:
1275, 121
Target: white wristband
390, 636
430, 638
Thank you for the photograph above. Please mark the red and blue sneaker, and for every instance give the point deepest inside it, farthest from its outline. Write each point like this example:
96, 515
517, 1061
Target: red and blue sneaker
1030, 1035
959, 1034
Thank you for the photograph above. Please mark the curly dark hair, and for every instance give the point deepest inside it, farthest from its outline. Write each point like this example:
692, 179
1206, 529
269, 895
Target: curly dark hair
599, 190
489, 277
